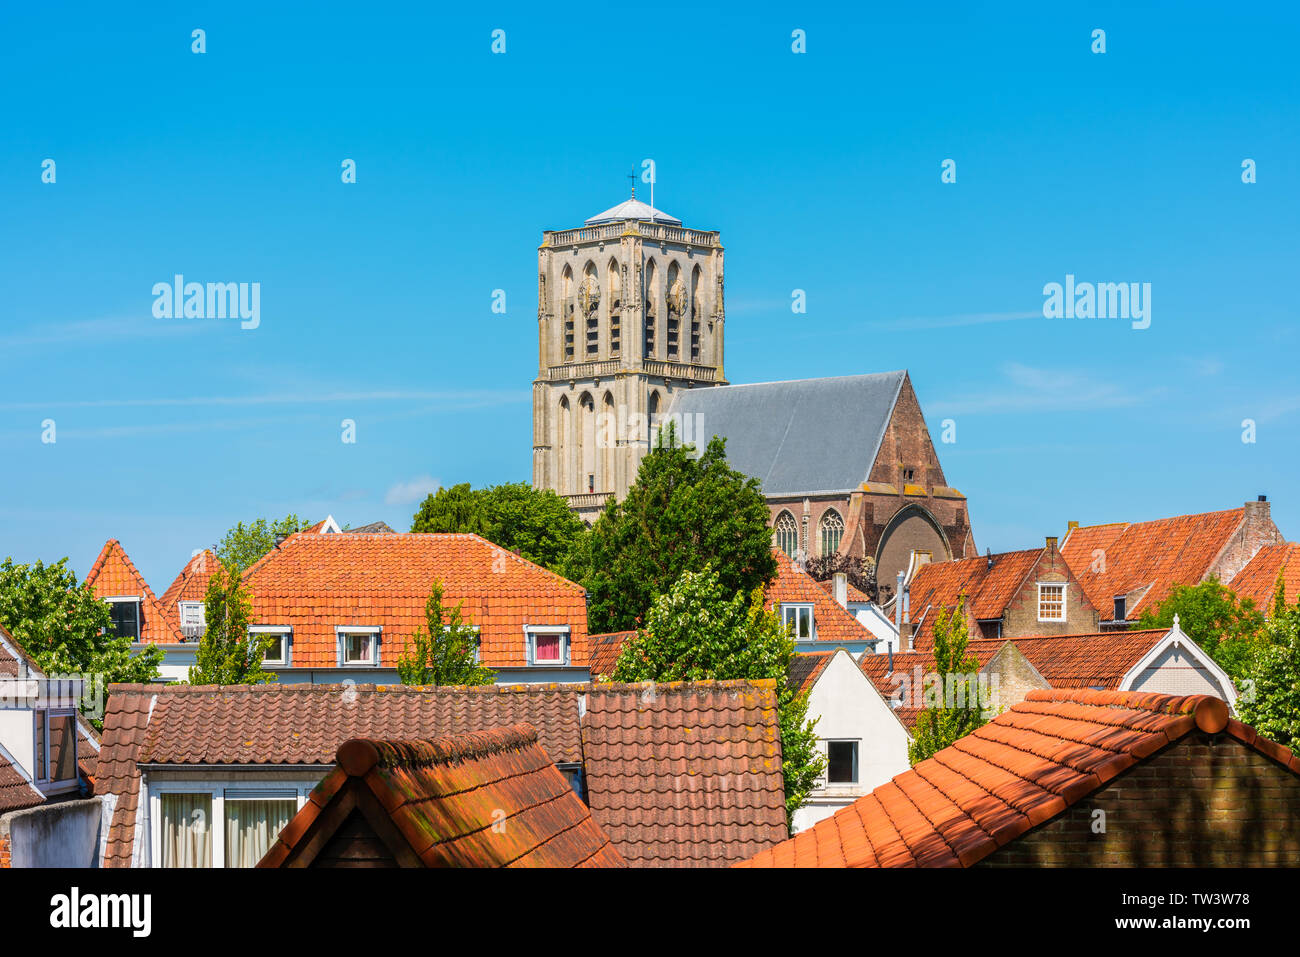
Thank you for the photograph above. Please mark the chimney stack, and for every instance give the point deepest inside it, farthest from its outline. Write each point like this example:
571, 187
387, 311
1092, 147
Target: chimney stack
1051, 543
840, 589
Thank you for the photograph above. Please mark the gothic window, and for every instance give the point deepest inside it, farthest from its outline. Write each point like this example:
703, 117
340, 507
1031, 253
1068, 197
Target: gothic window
563, 447
696, 307
832, 531
787, 534
567, 305
675, 299
615, 307
589, 302
650, 311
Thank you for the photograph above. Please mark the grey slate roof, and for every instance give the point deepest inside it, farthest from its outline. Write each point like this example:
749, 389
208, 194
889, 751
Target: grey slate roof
632, 209
799, 437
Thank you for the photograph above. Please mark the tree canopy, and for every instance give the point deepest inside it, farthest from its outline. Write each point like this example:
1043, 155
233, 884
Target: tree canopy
951, 695
245, 544
1213, 617
444, 650
684, 512
699, 631
1269, 686
228, 654
536, 523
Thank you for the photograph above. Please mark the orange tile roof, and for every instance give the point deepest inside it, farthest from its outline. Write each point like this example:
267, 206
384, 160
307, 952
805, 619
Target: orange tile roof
938, 585
481, 799
1258, 579
831, 621
192, 582
1154, 555
1024, 768
16, 791
877, 668
807, 667
314, 582
114, 574
605, 650
854, 593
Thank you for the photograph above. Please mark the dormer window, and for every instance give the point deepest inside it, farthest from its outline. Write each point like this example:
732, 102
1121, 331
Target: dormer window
193, 622
125, 613
358, 646
548, 645
1051, 601
56, 748
278, 651
798, 619
1121, 608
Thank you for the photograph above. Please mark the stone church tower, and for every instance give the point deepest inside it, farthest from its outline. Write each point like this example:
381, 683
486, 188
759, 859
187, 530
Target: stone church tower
629, 313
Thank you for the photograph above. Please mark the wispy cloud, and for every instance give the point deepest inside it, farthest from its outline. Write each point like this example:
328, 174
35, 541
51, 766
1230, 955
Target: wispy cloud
471, 396
1029, 389
98, 331
408, 493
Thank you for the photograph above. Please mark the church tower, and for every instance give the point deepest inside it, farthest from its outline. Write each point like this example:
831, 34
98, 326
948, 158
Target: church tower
629, 312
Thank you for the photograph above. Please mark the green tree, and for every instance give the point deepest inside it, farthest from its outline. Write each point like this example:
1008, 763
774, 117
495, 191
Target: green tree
444, 648
1213, 617
684, 512
245, 544
696, 633
536, 523
953, 705
1269, 691
228, 654
65, 628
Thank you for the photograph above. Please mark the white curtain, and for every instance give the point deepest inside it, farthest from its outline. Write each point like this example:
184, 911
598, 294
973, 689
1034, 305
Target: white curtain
186, 830
253, 826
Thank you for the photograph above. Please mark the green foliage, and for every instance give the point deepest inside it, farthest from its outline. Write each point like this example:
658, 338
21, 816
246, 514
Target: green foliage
1213, 617
953, 705
696, 633
65, 628
245, 544
444, 649
228, 654
1269, 693
535, 523
682, 514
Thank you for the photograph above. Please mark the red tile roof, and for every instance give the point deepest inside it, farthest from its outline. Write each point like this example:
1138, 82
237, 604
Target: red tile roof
887, 682
1024, 768
1258, 579
854, 593
314, 582
16, 791
114, 574
192, 582
707, 732
938, 585
807, 667
481, 799
831, 622
605, 650
685, 774
1154, 556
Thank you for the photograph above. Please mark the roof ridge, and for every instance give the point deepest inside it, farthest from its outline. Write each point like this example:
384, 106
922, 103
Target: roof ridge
358, 755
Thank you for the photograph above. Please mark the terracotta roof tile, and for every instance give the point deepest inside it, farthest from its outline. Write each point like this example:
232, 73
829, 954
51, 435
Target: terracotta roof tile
1022, 769
114, 574
831, 621
853, 592
17, 792
806, 668
605, 649
192, 582
1147, 557
938, 585
1258, 579
314, 582
479, 799
685, 774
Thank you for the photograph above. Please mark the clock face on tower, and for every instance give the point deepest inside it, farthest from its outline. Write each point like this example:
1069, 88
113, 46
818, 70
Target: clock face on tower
589, 296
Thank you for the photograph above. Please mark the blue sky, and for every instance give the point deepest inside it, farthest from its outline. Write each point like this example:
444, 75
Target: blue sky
821, 170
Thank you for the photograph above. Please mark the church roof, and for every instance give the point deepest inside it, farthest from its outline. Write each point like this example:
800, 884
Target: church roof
799, 437
632, 209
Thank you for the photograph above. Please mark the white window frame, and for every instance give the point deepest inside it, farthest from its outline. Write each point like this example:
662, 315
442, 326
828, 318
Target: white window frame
857, 763
46, 784
1062, 587
138, 601
192, 606
530, 645
796, 606
217, 791
285, 634
342, 632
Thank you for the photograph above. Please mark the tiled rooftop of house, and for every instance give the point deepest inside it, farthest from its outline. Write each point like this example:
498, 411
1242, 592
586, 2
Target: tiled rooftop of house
940, 585
480, 799
17, 792
192, 582
314, 582
1024, 768
1258, 580
831, 621
1147, 557
853, 592
806, 668
605, 649
677, 774
115, 575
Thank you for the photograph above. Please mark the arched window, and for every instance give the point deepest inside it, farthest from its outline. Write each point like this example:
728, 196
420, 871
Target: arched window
606, 428
651, 308
697, 309
787, 533
614, 288
675, 298
563, 442
589, 300
832, 531
567, 304
587, 443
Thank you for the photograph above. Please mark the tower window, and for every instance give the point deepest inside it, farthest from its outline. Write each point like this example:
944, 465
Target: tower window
613, 329
787, 534
593, 335
568, 332
672, 336
649, 329
832, 529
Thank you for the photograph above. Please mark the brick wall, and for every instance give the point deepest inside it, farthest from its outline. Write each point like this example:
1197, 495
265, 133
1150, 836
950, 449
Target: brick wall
4, 850
1257, 530
1021, 615
1206, 801
1015, 678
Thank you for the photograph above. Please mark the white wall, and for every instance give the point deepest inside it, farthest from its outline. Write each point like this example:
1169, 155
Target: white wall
16, 735
848, 707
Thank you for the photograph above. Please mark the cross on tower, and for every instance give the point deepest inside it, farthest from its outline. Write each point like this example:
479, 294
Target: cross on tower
632, 177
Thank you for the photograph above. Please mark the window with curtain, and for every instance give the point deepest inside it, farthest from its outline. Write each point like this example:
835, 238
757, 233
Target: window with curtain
832, 532
186, 828
252, 825
787, 534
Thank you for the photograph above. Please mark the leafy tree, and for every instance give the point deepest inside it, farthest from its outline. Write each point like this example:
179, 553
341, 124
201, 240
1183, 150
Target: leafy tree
228, 654
536, 523
65, 628
696, 633
1213, 617
952, 700
245, 544
684, 512
1269, 692
861, 572
444, 649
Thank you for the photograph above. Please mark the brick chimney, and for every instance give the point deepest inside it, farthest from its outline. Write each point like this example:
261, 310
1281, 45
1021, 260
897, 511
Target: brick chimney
840, 589
1051, 543
1257, 528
